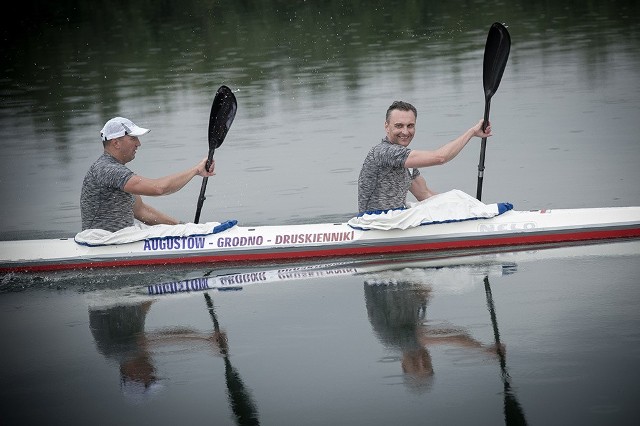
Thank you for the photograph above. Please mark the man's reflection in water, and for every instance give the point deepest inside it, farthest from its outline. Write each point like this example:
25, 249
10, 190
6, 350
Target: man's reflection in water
397, 313
119, 333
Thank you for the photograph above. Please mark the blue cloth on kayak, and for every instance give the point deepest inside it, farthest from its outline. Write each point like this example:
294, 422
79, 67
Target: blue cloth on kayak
224, 226
451, 206
504, 207
140, 231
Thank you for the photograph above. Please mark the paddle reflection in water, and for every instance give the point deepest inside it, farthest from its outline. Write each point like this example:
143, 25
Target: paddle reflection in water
242, 404
120, 335
513, 413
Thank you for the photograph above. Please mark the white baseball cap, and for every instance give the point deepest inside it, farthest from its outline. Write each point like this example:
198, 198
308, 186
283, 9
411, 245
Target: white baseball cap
120, 126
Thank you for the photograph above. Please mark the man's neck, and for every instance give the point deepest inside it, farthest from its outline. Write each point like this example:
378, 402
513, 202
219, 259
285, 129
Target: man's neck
113, 154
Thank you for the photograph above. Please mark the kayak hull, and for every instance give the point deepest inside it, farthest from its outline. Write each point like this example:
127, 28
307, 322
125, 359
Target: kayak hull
286, 242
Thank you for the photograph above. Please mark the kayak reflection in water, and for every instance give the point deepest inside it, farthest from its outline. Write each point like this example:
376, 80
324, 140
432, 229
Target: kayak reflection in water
119, 333
397, 313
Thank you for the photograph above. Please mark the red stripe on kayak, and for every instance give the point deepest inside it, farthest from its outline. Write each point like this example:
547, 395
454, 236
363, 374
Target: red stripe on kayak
302, 253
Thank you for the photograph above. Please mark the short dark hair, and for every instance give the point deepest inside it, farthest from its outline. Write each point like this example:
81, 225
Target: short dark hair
402, 106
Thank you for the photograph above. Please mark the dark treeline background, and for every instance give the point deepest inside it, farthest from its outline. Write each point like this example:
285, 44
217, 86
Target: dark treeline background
60, 44
62, 59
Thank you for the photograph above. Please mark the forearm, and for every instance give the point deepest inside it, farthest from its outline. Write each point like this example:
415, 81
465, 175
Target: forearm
452, 149
173, 183
441, 155
150, 216
139, 185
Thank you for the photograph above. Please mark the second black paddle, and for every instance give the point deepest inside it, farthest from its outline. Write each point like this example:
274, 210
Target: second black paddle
496, 53
223, 111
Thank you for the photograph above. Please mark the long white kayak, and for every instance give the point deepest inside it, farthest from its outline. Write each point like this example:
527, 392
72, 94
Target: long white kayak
307, 241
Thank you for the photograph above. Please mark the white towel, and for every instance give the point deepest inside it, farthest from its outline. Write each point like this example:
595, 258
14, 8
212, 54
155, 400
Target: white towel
140, 231
451, 206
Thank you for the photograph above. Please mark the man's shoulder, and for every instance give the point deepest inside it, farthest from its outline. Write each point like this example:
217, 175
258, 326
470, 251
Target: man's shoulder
106, 161
106, 170
388, 149
386, 145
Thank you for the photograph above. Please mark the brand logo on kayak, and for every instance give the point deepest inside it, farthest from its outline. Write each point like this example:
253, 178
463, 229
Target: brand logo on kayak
284, 239
319, 237
523, 226
173, 243
240, 241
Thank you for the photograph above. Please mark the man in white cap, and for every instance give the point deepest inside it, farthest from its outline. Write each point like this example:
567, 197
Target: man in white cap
111, 192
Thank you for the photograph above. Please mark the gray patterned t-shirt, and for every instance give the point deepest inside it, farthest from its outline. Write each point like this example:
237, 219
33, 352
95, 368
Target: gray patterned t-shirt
384, 181
103, 203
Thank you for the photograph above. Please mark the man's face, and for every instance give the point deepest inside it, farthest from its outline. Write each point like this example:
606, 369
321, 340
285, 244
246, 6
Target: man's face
401, 127
128, 147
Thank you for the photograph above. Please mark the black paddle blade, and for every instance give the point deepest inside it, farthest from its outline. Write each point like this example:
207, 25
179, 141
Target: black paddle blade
223, 111
496, 53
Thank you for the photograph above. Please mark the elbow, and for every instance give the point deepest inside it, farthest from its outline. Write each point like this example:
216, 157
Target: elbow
157, 190
440, 159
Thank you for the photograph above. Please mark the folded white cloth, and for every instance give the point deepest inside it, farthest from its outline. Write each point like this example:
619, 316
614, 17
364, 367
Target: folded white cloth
140, 231
451, 206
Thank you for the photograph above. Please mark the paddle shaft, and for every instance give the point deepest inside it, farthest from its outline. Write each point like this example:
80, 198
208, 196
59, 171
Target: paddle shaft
203, 188
483, 148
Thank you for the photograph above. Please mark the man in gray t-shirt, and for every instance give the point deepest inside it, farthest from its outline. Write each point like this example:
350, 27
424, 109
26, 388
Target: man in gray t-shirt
111, 192
389, 170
